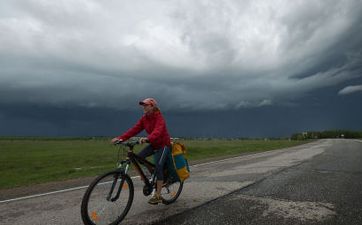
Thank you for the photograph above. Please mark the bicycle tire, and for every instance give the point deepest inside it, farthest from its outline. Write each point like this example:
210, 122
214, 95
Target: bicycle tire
97, 194
173, 191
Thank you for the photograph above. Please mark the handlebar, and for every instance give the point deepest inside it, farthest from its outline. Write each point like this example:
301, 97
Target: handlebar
129, 144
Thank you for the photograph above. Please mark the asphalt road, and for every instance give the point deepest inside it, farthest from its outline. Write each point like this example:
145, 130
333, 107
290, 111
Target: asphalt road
326, 189
316, 183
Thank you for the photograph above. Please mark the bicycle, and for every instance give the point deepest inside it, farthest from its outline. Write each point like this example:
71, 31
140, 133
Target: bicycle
109, 197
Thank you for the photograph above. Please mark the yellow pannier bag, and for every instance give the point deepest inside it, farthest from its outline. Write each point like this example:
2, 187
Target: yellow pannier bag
180, 161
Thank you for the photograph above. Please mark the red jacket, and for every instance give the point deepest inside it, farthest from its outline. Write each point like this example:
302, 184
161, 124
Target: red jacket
155, 126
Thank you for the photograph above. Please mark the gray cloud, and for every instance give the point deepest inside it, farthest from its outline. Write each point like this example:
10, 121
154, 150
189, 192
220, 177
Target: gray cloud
350, 89
190, 55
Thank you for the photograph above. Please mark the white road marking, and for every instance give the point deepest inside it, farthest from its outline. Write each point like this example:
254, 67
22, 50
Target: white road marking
223, 160
51, 193
253, 155
43, 194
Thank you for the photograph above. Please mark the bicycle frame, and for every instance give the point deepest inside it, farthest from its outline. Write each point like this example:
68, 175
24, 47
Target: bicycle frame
136, 161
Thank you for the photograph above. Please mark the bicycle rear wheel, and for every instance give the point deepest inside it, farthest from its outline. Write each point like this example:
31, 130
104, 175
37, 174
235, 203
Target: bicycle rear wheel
107, 199
170, 192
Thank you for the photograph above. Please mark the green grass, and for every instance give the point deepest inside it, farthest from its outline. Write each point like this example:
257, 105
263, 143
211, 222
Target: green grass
32, 161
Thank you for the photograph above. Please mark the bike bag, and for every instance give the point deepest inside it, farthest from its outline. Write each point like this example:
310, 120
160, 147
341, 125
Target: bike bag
180, 161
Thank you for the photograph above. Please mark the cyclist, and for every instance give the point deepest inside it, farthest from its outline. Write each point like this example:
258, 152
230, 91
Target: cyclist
153, 122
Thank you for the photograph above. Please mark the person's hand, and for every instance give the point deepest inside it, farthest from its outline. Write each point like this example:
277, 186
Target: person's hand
115, 140
143, 140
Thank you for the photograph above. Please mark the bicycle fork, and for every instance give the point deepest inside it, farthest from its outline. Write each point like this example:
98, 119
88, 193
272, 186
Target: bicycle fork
114, 183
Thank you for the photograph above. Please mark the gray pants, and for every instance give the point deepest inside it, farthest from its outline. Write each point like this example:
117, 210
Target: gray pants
160, 158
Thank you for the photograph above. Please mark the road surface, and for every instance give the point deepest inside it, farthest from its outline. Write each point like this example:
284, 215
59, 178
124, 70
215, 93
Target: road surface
315, 183
326, 189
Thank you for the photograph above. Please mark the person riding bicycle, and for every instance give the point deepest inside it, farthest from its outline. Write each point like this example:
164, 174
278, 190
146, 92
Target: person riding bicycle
160, 143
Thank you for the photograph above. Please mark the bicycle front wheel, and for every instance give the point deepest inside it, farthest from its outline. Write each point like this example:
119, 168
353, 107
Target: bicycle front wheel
107, 199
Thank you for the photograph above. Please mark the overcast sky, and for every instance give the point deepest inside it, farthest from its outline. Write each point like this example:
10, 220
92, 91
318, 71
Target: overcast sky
79, 67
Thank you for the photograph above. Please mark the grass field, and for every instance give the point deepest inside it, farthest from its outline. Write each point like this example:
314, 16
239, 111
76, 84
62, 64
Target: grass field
31, 161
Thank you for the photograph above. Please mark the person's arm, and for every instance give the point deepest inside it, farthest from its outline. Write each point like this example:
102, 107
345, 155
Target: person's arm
138, 127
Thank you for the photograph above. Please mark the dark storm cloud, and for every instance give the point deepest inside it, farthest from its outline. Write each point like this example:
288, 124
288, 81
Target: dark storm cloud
218, 68
202, 55
319, 110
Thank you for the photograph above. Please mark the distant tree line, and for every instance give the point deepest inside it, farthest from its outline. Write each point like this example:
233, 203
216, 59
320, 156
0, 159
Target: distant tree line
327, 134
